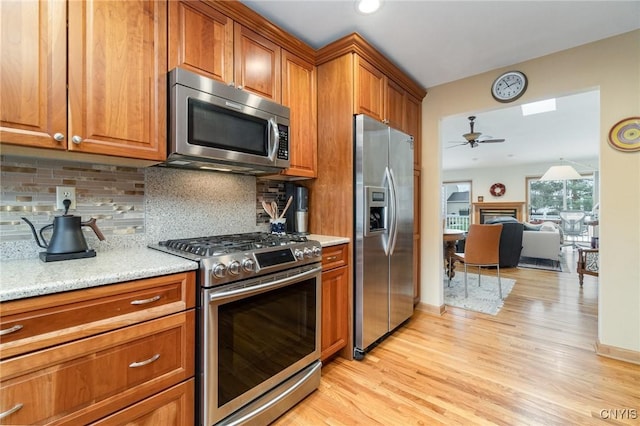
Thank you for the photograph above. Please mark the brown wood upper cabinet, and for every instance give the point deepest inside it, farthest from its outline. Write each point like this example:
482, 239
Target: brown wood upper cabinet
207, 42
230, 43
95, 86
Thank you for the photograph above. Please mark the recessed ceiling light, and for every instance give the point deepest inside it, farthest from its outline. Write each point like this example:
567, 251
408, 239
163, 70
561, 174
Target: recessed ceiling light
368, 6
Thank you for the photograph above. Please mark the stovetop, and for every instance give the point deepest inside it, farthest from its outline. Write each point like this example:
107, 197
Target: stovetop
234, 257
226, 244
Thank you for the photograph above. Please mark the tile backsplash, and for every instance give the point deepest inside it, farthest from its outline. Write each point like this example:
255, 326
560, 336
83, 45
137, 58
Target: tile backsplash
133, 206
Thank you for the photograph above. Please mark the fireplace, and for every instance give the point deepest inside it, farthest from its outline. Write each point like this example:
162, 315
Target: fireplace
482, 212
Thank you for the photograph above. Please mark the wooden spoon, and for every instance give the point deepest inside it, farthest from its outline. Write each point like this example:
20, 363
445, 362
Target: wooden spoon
286, 207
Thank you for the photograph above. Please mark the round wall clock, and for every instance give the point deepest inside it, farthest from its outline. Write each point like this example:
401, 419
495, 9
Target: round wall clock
509, 86
625, 135
497, 189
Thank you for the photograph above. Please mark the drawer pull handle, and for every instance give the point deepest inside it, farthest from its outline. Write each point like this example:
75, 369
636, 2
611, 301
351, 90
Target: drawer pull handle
10, 330
145, 301
10, 411
145, 362
332, 257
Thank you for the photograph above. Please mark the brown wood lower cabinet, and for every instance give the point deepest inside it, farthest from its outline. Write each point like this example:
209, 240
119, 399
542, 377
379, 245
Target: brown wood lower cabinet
335, 300
143, 359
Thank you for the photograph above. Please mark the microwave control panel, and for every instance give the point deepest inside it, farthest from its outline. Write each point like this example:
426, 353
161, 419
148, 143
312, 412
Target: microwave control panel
283, 145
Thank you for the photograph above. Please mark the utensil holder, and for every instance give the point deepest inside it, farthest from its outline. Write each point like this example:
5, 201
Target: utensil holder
278, 225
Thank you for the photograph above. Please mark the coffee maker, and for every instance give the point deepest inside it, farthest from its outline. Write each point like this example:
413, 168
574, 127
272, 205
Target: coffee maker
298, 215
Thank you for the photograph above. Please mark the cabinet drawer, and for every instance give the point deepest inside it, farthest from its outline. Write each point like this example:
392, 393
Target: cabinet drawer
44, 321
175, 406
85, 380
334, 256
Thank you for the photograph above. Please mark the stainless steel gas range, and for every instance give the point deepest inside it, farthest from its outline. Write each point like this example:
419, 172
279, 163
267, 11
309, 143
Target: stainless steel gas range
259, 324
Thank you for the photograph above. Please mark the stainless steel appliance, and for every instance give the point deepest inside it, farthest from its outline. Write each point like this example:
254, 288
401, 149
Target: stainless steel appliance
383, 231
217, 127
259, 324
298, 215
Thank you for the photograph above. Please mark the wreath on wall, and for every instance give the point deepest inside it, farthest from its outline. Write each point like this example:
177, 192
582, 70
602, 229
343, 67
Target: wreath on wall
497, 189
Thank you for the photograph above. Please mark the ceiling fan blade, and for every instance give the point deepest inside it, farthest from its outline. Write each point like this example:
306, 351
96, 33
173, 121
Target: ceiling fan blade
460, 144
490, 141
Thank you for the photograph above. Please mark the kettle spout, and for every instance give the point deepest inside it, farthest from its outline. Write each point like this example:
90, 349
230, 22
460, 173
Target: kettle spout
35, 234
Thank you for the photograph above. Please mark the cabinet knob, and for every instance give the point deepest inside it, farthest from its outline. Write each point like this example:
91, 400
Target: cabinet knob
59, 137
76, 139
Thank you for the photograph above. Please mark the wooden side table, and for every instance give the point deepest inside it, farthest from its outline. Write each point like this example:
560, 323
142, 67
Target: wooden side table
450, 238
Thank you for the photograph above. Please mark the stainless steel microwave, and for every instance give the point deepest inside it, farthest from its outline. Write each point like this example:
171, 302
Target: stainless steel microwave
218, 127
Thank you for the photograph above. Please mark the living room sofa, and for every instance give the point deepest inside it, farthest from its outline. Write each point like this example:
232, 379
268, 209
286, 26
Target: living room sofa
542, 244
538, 241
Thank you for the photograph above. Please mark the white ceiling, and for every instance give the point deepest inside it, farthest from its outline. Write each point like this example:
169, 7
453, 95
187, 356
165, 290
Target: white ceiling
436, 42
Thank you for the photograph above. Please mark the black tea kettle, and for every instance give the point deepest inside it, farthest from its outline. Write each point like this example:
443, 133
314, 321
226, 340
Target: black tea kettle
67, 241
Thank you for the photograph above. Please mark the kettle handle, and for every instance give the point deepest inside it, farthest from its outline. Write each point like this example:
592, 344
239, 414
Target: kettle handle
44, 241
92, 224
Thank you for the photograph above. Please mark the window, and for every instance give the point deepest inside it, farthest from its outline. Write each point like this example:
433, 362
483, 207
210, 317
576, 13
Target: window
547, 199
456, 204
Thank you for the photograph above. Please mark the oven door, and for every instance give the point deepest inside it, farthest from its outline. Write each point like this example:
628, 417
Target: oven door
257, 334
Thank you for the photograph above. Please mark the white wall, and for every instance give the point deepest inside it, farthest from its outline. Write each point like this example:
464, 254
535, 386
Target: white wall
612, 66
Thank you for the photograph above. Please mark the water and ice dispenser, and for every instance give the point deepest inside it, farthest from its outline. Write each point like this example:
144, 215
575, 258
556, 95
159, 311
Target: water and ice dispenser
376, 207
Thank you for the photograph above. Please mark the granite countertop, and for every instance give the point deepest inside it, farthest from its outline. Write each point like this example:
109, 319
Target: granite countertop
20, 279
31, 277
327, 240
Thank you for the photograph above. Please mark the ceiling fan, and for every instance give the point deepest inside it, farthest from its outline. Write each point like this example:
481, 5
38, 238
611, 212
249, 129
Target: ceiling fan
473, 138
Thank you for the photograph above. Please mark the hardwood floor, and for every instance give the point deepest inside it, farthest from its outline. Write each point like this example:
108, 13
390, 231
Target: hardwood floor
532, 364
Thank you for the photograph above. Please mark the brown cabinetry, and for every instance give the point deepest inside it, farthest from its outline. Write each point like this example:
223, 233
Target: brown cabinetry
79, 356
87, 77
229, 42
335, 300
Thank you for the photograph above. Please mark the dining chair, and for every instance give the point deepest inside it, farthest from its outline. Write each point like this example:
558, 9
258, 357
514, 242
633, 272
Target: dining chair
482, 249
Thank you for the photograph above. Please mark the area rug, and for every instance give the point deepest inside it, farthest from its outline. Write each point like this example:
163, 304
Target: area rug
546, 264
483, 299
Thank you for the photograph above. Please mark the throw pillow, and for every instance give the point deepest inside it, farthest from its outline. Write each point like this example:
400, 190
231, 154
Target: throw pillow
531, 227
548, 227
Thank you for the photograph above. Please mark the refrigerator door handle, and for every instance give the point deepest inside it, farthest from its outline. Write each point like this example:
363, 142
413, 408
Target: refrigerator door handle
393, 228
386, 242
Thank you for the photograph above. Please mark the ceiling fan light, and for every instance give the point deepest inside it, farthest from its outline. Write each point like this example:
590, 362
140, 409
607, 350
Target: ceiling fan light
368, 6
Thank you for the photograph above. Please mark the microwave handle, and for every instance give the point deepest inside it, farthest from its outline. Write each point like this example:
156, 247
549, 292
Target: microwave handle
275, 142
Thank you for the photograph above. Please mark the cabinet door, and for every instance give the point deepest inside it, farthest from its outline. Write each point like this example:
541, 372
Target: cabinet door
118, 77
414, 127
33, 73
369, 89
200, 40
300, 95
395, 106
257, 63
335, 311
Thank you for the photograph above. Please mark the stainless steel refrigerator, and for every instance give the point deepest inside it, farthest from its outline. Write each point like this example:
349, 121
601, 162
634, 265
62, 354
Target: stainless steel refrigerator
383, 175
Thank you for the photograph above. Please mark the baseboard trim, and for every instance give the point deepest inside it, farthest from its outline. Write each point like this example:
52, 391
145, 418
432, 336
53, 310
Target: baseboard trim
620, 354
431, 309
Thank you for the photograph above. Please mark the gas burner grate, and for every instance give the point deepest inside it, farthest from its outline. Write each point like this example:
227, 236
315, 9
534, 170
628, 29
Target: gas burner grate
225, 244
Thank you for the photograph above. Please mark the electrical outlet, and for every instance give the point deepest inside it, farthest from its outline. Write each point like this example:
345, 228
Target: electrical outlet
65, 192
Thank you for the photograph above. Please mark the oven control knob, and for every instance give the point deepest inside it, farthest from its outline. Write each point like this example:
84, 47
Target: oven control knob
298, 254
219, 270
307, 252
317, 251
234, 268
248, 265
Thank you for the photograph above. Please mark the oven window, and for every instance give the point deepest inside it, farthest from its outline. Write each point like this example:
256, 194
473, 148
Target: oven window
262, 335
216, 127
